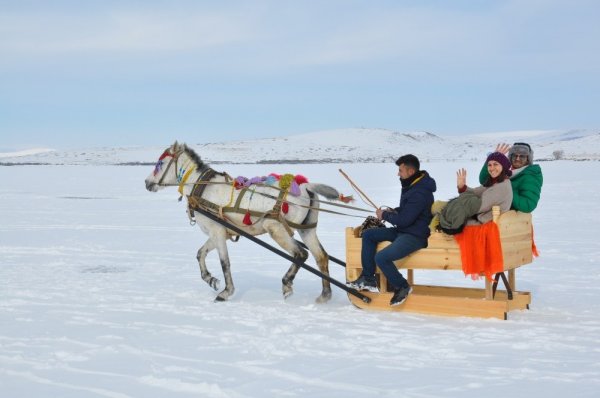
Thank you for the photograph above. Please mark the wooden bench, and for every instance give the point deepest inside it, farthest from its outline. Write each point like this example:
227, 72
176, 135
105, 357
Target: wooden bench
443, 253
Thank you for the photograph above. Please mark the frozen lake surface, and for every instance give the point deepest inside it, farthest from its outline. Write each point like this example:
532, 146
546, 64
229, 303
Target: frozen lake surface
100, 295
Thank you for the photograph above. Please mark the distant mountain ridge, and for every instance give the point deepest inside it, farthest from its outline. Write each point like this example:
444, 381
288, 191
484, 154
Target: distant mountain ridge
351, 145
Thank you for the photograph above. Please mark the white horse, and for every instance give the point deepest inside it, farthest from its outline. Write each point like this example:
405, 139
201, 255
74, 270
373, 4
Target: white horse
210, 190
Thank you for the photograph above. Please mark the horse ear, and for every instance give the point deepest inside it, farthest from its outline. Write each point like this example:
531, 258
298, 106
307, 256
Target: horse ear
175, 147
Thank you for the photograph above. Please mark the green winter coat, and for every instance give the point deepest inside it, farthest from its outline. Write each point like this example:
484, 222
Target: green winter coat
526, 187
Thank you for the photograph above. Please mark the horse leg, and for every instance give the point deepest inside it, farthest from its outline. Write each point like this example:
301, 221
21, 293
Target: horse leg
309, 237
221, 245
201, 256
283, 239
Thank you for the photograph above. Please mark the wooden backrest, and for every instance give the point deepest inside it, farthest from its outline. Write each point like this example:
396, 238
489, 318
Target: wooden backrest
443, 252
516, 235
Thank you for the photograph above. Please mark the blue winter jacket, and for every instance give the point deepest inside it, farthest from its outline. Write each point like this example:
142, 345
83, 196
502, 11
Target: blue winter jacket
414, 213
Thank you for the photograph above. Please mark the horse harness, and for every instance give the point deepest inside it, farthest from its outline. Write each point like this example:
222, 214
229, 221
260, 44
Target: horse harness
196, 201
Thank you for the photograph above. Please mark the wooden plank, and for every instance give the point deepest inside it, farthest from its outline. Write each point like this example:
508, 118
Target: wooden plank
451, 291
467, 292
520, 301
515, 255
436, 305
353, 246
516, 260
488, 289
352, 274
432, 258
439, 300
512, 225
512, 280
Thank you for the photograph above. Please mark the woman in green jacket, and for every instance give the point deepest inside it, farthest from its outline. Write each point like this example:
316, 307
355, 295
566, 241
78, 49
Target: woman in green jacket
526, 179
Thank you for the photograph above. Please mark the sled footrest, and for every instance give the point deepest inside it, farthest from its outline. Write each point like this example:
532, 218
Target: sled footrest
450, 301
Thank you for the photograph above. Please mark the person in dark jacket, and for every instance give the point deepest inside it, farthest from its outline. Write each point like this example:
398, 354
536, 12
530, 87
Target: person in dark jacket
409, 233
526, 179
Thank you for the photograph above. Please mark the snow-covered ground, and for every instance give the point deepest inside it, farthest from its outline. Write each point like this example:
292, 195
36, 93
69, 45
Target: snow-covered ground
100, 295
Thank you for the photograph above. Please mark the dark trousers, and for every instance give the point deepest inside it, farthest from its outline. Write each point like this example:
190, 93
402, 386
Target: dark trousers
402, 245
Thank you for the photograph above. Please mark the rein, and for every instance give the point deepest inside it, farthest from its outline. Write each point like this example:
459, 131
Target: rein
195, 200
345, 206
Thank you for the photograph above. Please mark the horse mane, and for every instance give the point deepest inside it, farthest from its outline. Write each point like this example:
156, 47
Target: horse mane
195, 157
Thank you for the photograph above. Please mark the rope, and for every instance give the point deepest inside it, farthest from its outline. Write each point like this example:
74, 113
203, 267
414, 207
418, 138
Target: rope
345, 206
231, 198
319, 208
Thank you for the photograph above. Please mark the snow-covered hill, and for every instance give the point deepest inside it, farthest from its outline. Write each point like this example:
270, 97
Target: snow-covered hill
342, 145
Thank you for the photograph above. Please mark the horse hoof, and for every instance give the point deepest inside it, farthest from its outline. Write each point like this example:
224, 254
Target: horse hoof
322, 299
287, 290
219, 299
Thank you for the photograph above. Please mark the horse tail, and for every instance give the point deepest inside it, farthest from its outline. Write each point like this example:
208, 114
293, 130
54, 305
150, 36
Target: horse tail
323, 190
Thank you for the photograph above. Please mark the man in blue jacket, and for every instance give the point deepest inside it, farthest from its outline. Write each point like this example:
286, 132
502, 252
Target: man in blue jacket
409, 233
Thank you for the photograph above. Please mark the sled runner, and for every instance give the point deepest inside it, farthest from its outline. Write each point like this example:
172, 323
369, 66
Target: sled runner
443, 253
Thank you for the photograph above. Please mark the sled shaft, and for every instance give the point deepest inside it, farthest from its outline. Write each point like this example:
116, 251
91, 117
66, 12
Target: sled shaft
283, 254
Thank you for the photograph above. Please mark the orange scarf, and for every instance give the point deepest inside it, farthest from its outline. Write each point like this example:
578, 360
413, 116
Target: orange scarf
534, 249
481, 250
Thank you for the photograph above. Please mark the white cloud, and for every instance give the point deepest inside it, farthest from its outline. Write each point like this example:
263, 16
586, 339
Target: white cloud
278, 36
121, 32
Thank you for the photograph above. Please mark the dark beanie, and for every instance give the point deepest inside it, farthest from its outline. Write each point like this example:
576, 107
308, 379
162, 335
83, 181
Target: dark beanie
502, 159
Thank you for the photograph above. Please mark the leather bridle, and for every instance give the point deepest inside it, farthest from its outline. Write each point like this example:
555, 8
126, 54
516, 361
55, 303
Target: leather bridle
173, 156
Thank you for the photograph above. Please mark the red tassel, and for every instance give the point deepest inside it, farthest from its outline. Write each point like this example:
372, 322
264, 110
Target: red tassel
300, 179
247, 219
285, 207
346, 199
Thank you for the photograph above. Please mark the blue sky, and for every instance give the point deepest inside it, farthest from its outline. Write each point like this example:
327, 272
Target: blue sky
112, 73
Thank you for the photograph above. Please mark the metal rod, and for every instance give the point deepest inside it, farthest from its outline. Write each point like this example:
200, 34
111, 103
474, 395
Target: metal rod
335, 260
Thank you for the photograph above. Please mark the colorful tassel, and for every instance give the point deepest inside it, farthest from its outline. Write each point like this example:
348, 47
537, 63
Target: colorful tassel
256, 180
295, 188
285, 181
346, 199
247, 219
300, 179
285, 207
239, 181
271, 180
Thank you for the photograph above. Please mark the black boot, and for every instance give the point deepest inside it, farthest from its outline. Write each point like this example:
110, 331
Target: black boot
400, 295
364, 283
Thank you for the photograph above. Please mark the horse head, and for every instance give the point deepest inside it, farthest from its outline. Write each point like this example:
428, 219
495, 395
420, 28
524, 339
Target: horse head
165, 170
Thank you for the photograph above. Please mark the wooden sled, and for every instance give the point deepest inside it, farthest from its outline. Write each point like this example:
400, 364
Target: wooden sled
443, 253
